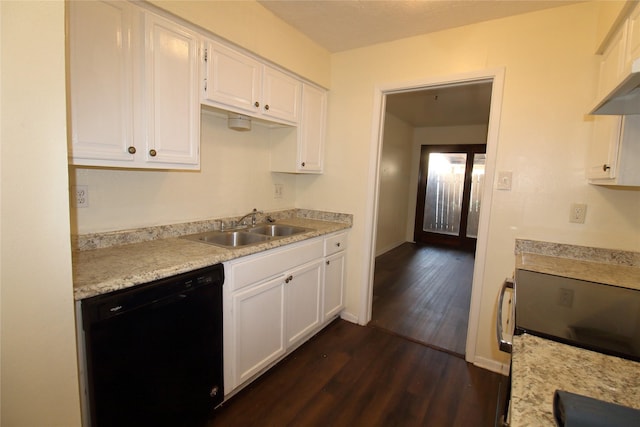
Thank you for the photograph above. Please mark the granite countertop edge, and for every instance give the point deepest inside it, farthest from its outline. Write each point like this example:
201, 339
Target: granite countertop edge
610, 267
108, 269
541, 366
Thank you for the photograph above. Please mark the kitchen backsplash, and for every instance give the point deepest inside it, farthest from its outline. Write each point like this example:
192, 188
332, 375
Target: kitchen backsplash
584, 253
123, 237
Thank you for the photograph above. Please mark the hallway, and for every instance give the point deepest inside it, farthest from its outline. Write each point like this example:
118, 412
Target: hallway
422, 293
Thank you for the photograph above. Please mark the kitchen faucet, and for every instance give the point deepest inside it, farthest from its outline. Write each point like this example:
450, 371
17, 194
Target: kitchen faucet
253, 214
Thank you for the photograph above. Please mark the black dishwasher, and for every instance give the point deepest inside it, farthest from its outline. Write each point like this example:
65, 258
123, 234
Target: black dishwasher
154, 351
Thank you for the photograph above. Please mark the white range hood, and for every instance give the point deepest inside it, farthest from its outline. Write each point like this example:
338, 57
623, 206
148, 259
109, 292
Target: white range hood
624, 99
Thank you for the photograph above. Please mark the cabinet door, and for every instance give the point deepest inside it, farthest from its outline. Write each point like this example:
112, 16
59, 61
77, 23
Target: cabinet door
280, 95
171, 99
302, 287
100, 79
633, 38
312, 129
612, 63
603, 152
258, 314
232, 79
333, 285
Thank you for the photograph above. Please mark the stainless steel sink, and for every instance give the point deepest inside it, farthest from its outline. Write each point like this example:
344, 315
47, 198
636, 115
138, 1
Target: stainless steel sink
277, 230
229, 239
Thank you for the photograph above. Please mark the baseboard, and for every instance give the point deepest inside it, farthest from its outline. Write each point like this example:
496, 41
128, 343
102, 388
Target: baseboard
492, 365
349, 317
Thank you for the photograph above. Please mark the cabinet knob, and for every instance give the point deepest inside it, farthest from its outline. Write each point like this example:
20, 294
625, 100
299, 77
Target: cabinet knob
338, 244
153, 152
605, 167
131, 150
328, 262
266, 107
303, 163
288, 279
257, 104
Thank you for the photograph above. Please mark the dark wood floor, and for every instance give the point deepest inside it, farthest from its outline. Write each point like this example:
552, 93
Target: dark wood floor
423, 293
351, 375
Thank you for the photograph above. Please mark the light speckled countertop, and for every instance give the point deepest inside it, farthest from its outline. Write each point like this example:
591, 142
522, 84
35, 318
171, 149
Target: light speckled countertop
541, 366
113, 267
608, 266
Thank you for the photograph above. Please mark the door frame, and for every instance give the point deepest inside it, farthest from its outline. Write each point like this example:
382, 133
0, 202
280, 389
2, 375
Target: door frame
495, 75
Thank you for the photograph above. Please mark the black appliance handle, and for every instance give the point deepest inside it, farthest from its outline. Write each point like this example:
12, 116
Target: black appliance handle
504, 345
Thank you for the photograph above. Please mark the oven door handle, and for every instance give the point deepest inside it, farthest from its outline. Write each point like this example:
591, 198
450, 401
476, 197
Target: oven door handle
503, 344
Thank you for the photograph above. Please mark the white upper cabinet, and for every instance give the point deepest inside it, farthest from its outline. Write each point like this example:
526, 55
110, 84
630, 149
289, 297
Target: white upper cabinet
171, 93
232, 80
133, 88
615, 153
101, 87
242, 84
302, 151
612, 63
633, 38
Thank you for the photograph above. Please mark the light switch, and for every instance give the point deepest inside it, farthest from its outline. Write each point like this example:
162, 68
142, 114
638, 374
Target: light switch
504, 180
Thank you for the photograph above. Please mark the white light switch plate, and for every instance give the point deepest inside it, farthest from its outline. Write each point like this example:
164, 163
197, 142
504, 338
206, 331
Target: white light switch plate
504, 180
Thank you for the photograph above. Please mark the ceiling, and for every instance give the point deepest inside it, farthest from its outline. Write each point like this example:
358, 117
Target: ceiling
340, 25
454, 105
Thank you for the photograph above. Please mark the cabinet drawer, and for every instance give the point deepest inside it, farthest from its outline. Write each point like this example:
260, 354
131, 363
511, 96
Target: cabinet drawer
268, 264
335, 243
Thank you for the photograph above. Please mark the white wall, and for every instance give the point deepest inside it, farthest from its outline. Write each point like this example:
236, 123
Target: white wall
550, 75
38, 360
234, 178
395, 171
251, 26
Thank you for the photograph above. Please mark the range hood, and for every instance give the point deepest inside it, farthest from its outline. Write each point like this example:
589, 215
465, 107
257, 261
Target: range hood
625, 98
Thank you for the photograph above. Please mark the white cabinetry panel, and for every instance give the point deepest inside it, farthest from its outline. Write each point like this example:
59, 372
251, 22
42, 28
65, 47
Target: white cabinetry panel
134, 88
258, 314
173, 107
100, 69
303, 287
239, 83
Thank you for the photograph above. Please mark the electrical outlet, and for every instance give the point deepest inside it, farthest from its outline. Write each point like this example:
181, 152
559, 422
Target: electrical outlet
578, 213
277, 191
81, 196
565, 297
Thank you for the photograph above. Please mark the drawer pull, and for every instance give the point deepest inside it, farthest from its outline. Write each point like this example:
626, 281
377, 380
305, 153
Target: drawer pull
288, 279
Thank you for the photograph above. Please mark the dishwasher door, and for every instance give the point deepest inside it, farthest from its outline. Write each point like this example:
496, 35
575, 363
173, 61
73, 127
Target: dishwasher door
154, 352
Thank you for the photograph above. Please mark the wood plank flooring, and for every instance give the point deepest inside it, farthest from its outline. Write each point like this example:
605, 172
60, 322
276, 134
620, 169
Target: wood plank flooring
351, 375
423, 292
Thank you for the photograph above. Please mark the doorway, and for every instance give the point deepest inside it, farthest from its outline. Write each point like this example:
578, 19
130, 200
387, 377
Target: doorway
494, 79
449, 197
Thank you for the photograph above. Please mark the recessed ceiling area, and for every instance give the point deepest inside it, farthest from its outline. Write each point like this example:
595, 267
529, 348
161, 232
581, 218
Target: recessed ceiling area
340, 25
451, 105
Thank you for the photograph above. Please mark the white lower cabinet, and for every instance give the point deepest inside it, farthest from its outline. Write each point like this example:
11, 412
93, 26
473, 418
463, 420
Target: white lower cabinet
258, 319
303, 287
334, 251
274, 301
